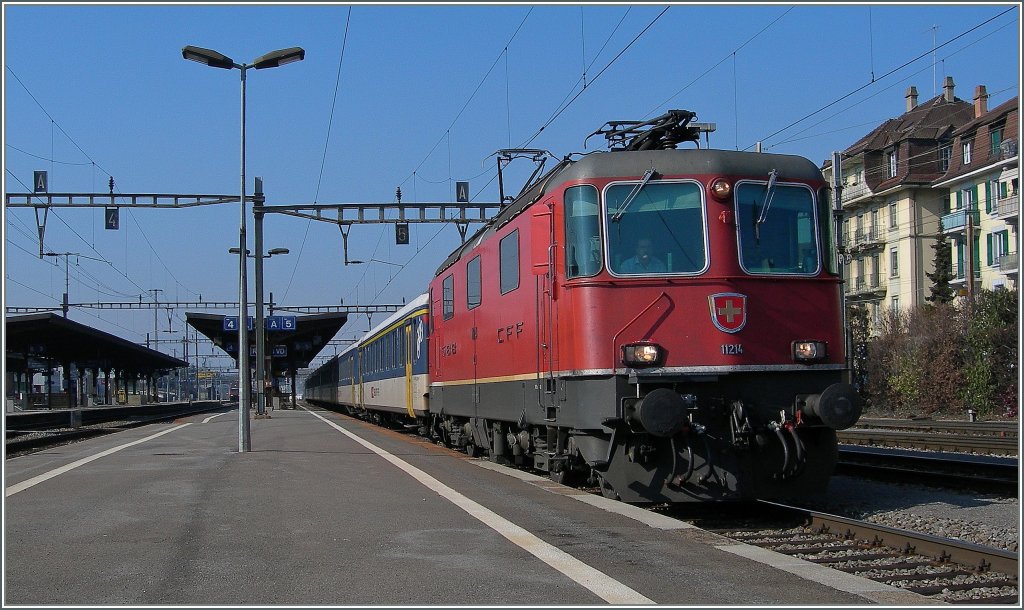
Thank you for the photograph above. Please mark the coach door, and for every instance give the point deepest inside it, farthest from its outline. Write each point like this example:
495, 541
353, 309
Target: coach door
407, 356
542, 234
357, 396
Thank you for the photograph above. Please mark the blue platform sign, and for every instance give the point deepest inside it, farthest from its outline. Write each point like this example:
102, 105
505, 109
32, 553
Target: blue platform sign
231, 323
279, 323
279, 351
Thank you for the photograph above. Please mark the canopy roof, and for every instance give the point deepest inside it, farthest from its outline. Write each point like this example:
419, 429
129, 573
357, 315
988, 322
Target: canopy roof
48, 336
300, 344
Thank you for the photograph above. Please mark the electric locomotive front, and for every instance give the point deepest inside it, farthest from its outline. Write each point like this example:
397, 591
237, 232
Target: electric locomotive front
667, 324
704, 354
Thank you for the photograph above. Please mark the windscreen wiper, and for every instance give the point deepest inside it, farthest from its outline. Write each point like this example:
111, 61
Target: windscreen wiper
633, 194
769, 192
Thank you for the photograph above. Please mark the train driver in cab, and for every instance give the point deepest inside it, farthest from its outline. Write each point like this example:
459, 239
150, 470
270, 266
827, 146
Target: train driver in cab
642, 261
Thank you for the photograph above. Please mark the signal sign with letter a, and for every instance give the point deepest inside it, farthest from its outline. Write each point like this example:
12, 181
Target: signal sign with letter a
402, 233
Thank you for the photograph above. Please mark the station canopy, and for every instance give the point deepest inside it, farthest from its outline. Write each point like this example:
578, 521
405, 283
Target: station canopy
41, 337
292, 341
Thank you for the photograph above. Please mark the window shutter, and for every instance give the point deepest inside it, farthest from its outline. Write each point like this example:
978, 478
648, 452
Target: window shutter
988, 246
959, 200
977, 255
988, 198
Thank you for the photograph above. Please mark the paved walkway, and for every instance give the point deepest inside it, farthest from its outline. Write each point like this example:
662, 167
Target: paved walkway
327, 510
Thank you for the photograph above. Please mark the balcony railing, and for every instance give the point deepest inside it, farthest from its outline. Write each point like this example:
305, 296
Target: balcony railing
865, 237
1006, 208
856, 191
962, 273
864, 284
1007, 263
957, 221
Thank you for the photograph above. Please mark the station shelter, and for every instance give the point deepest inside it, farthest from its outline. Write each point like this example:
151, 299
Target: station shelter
291, 343
95, 367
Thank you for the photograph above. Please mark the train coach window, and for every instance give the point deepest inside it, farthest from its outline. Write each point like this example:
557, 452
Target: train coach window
655, 230
582, 235
473, 283
780, 237
448, 296
508, 262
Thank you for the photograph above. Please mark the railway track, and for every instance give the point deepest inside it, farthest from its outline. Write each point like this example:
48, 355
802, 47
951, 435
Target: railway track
944, 569
947, 470
986, 438
977, 428
33, 431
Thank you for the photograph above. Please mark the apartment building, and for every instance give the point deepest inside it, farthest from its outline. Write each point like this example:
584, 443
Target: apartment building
983, 186
892, 212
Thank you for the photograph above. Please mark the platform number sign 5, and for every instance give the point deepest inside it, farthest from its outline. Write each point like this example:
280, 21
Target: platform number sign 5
110, 215
402, 233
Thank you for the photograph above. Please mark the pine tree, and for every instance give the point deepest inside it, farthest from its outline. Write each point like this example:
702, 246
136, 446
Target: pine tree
941, 291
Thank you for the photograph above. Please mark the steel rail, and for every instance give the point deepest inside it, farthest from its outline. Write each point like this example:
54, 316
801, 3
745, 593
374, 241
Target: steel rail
943, 550
929, 440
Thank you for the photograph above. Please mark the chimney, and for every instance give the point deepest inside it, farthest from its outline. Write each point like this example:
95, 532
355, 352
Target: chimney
911, 98
947, 89
980, 101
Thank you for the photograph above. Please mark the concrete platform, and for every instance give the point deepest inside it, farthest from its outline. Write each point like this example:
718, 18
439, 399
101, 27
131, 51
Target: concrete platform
327, 510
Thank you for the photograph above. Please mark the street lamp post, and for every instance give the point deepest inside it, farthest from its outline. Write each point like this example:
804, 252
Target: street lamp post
217, 60
261, 339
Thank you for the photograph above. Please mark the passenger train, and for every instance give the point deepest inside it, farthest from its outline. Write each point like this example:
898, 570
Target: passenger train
665, 324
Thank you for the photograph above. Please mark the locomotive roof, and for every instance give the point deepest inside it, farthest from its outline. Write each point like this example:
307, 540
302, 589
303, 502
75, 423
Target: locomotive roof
621, 163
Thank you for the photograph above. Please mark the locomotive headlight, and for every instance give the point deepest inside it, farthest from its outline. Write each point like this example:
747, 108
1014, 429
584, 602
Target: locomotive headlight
642, 354
807, 351
721, 189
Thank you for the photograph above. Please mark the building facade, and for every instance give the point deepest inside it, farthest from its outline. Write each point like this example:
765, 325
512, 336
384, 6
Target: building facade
892, 210
983, 185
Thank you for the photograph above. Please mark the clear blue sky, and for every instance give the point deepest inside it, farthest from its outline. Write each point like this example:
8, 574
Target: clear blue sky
426, 95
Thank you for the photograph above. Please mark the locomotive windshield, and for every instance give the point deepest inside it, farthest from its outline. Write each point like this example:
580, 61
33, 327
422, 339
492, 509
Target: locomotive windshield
661, 230
780, 238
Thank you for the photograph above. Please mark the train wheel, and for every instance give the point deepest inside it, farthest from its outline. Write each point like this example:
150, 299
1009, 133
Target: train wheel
473, 450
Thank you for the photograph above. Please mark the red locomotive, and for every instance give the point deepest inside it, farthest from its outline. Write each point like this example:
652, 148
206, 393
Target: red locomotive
668, 323
664, 323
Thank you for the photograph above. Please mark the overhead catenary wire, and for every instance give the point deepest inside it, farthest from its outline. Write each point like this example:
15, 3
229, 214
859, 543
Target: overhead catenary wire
54, 123
558, 112
664, 105
893, 86
874, 80
469, 99
323, 159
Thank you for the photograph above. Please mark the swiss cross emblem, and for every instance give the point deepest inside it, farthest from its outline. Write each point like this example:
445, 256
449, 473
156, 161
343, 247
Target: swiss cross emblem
728, 311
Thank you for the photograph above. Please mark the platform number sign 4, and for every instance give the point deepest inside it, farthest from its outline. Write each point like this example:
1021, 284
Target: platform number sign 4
402, 233
110, 216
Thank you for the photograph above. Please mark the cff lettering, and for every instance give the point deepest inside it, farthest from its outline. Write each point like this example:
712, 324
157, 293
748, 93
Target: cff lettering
505, 334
